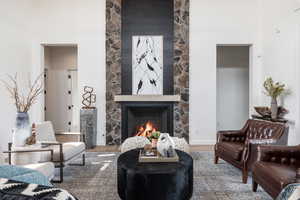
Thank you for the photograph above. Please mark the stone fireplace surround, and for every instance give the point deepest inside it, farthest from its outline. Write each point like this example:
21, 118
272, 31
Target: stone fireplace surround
180, 100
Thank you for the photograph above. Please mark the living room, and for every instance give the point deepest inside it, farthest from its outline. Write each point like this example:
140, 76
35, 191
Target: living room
111, 77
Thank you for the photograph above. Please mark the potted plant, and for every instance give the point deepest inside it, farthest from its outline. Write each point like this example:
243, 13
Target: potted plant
154, 138
274, 90
23, 103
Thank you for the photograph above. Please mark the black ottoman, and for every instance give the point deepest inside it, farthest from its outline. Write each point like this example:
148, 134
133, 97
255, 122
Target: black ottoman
154, 181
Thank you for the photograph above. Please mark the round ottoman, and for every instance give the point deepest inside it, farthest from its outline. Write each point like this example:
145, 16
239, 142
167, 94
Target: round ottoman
154, 181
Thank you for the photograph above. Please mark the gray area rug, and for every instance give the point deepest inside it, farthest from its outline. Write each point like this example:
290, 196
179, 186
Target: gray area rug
98, 181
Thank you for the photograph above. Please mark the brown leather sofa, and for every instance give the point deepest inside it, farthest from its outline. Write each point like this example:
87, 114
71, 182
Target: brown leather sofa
277, 167
239, 147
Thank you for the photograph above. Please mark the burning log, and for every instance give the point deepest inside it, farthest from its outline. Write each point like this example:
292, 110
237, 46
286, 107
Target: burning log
146, 129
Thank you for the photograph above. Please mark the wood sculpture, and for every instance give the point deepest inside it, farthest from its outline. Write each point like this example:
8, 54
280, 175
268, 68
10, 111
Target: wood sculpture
89, 98
32, 139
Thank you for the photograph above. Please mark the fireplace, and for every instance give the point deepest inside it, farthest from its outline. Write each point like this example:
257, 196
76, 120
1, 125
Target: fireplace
143, 115
131, 98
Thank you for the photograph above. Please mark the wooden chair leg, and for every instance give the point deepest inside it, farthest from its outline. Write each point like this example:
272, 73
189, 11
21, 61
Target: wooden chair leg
245, 176
254, 185
216, 159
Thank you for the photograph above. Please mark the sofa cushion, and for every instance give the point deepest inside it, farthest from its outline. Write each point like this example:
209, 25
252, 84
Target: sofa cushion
231, 149
70, 149
278, 174
47, 168
181, 144
133, 143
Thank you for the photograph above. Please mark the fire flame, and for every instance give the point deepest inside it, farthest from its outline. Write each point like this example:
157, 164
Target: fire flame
146, 129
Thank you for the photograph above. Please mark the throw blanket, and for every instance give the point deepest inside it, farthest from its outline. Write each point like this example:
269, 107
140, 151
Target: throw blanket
290, 192
22, 174
15, 190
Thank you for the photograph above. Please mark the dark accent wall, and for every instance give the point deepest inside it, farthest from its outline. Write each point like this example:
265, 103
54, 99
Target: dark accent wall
147, 17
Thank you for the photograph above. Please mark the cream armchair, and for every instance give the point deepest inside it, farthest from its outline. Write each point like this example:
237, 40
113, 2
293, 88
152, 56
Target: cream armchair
63, 153
46, 168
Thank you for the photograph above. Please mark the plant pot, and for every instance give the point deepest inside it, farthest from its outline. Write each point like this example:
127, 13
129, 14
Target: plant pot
22, 129
154, 143
274, 108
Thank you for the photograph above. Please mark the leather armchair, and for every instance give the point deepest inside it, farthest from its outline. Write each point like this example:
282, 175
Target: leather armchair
277, 167
239, 147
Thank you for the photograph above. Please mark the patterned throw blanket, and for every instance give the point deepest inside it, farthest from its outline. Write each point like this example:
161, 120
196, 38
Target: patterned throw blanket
14, 190
290, 192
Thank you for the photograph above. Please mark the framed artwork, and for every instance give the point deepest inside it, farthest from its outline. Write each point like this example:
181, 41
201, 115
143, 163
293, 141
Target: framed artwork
147, 65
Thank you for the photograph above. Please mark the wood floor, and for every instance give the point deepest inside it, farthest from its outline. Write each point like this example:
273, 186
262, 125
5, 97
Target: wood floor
193, 148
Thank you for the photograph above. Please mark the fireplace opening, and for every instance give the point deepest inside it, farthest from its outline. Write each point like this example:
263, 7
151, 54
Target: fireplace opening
142, 119
146, 129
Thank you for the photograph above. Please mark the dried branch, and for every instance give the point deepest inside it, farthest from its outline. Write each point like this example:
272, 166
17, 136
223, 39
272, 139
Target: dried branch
23, 103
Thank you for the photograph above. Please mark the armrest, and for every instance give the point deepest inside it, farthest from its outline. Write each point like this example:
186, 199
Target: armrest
28, 151
231, 136
61, 155
251, 149
279, 154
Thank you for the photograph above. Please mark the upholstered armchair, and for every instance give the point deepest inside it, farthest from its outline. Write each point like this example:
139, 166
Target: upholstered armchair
63, 153
45, 168
239, 147
276, 167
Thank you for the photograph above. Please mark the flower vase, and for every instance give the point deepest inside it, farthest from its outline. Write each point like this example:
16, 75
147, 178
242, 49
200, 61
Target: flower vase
154, 143
274, 108
22, 129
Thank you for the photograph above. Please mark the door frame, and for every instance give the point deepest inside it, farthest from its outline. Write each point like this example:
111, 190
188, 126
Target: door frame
251, 77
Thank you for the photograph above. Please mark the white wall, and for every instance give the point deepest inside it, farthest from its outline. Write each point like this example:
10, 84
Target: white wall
14, 57
281, 42
74, 22
214, 22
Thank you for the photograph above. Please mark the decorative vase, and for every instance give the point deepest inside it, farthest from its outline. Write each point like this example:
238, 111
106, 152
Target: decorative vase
22, 129
274, 108
165, 144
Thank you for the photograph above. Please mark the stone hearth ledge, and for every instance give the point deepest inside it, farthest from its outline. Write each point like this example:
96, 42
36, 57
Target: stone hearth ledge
144, 98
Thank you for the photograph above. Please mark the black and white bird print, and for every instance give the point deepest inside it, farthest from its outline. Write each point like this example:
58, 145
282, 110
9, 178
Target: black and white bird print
147, 65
